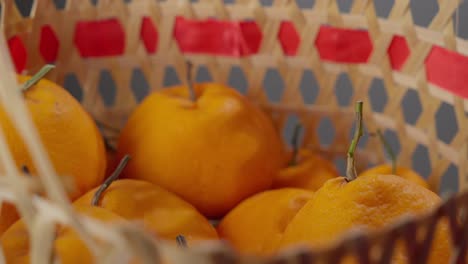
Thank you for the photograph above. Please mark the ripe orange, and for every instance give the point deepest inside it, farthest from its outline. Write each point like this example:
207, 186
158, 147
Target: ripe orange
256, 225
68, 133
310, 172
404, 172
8, 216
68, 247
161, 212
372, 202
214, 151
369, 202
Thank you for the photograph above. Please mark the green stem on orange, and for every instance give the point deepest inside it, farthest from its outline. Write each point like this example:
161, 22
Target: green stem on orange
114, 176
295, 143
181, 241
389, 150
37, 77
192, 94
351, 173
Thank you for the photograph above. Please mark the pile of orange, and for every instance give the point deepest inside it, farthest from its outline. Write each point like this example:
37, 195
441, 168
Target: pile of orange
205, 152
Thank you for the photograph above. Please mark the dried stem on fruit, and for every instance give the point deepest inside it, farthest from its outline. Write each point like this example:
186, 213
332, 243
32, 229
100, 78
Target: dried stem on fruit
114, 176
351, 173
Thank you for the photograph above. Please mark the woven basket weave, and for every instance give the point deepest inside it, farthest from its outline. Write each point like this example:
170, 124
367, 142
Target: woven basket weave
148, 40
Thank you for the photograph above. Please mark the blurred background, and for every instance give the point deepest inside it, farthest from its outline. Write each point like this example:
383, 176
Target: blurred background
422, 11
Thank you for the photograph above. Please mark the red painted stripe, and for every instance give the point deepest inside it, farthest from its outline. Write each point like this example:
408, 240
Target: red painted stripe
18, 53
398, 52
343, 45
449, 70
149, 35
100, 38
444, 68
49, 44
289, 38
228, 38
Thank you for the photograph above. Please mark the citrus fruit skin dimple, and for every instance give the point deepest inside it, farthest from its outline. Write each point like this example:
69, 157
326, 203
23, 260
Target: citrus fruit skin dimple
372, 202
213, 152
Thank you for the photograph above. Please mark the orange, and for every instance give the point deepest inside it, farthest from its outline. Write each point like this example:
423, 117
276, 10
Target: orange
404, 172
310, 171
371, 202
256, 225
8, 216
71, 249
214, 151
67, 131
68, 247
161, 212
68, 134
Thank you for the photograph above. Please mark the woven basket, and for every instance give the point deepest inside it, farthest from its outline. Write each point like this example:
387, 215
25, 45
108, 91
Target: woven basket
112, 54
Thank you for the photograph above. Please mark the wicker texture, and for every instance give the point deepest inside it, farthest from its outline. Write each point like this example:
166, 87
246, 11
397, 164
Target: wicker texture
270, 58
